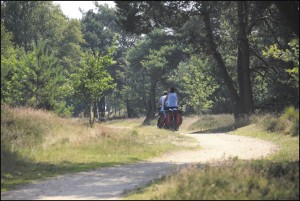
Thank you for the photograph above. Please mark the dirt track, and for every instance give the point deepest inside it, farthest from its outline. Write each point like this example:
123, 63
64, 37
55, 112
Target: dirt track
111, 183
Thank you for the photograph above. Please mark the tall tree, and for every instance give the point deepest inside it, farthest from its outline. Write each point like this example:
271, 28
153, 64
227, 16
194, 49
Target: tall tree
70, 51
156, 56
184, 10
29, 20
100, 32
41, 76
243, 60
91, 80
33, 78
196, 83
8, 67
175, 14
212, 47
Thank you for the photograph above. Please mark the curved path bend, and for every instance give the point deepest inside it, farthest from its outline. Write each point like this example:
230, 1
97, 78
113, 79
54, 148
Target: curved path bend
112, 182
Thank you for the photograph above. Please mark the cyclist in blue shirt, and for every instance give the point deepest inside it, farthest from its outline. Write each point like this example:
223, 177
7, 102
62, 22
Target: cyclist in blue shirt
171, 99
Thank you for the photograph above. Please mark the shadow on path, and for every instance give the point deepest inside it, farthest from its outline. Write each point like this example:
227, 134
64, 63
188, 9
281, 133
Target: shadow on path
104, 183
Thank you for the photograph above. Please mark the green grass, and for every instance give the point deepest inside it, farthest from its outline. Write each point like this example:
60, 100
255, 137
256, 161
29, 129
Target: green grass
36, 144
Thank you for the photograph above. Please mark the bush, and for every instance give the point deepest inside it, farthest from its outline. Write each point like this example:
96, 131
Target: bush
289, 121
270, 123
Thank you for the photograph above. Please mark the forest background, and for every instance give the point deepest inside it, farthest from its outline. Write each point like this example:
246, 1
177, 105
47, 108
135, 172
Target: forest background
238, 57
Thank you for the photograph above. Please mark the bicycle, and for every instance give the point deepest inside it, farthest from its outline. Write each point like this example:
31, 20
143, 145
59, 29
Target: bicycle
161, 120
173, 119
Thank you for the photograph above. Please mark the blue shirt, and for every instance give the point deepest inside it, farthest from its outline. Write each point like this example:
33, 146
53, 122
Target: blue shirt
172, 100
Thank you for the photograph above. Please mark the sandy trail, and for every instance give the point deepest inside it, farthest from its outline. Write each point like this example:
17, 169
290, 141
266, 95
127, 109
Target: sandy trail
111, 183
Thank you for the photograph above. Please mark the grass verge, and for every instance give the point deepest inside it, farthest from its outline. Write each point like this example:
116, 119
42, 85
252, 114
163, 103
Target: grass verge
37, 144
275, 177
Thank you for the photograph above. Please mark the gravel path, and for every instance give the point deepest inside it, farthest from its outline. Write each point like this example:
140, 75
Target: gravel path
111, 183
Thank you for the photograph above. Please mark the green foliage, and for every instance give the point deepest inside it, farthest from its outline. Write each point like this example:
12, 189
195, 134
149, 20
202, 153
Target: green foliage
99, 29
17, 17
28, 20
276, 82
199, 84
70, 50
156, 45
41, 76
156, 60
153, 57
6, 41
34, 78
10, 87
63, 110
291, 54
133, 90
8, 66
91, 80
171, 27
50, 23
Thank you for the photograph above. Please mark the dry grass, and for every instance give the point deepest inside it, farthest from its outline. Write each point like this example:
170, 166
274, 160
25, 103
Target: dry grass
246, 181
210, 123
51, 145
36, 144
271, 179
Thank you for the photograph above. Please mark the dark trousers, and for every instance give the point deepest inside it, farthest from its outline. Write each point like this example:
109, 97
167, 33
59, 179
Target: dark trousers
167, 108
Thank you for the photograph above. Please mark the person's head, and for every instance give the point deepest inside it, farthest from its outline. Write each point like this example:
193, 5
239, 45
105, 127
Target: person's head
165, 92
172, 89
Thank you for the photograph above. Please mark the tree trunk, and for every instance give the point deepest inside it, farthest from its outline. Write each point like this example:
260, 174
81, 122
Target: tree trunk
240, 78
151, 102
92, 115
102, 108
245, 89
97, 111
220, 62
129, 109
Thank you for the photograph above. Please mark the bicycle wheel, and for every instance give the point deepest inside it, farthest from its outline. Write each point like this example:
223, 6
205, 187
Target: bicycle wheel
173, 123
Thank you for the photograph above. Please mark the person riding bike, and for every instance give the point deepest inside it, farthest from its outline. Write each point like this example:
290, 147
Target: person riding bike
162, 112
171, 100
161, 102
172, 119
